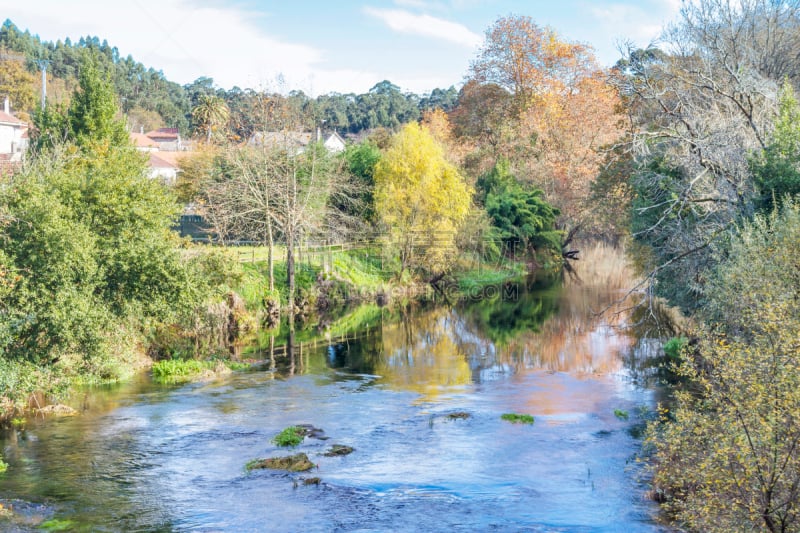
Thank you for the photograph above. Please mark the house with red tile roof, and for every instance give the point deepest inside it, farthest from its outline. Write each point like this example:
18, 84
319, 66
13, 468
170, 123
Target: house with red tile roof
163, 169
13, 139
167, 139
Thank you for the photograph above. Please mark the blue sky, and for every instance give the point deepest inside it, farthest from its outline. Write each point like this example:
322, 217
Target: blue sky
324, 46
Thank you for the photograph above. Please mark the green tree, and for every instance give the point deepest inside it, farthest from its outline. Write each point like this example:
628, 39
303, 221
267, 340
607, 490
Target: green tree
421, 198
93, 111
88, 241
777, 169
210, 117
362, 158
522, 215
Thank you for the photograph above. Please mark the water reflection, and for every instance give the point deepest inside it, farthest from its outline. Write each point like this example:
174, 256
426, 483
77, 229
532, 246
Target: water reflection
538, 324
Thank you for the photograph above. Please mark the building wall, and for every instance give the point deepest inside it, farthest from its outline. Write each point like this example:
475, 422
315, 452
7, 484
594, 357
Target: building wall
11, 139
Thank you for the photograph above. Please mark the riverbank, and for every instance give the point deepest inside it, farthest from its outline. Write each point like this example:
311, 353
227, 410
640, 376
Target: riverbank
328, 287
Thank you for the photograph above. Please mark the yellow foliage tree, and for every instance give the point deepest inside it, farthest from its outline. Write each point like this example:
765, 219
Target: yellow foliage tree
16, 82
422, 199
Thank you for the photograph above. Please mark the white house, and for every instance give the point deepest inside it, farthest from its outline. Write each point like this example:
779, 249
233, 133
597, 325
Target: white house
334, 143
13, 135
159, 167
297, 140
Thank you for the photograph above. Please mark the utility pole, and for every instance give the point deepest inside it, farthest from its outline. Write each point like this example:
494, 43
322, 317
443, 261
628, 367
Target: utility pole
43, 65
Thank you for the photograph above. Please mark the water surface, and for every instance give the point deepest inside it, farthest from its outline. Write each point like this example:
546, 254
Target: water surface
144, 457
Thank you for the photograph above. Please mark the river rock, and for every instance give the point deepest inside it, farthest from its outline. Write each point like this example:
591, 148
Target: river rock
338, 450
292, 463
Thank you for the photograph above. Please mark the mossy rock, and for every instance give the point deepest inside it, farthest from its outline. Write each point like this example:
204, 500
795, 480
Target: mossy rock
338, 450
516, 418
292, 463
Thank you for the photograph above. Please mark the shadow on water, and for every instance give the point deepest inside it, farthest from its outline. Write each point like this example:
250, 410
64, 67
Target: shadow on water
417, 391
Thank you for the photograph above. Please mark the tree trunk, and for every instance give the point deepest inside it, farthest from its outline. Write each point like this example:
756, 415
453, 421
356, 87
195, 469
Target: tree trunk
290, 270
270, 257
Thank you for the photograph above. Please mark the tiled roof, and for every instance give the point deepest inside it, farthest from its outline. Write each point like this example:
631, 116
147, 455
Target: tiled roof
143, 141
10, 119
157, 162
164, 134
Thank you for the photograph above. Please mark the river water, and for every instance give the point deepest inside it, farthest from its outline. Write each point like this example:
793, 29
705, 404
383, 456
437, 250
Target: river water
147, 457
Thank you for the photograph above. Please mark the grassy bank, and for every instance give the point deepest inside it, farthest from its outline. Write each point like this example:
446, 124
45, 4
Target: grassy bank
339, 292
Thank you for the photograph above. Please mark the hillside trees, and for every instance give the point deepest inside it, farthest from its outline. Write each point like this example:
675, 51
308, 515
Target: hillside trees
422, 200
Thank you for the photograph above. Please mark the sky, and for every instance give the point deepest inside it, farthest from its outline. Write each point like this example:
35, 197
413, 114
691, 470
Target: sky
328, 46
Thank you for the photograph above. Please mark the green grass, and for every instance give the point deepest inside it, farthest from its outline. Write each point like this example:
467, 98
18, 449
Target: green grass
516, 418
470, 280
622, 415
288, 437
180, 371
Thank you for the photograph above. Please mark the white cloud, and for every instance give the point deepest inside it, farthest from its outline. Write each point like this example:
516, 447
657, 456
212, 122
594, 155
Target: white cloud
186, 41
405, 22
628, 20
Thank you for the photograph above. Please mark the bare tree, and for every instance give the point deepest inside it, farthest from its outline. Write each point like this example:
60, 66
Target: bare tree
700, 106
276, 194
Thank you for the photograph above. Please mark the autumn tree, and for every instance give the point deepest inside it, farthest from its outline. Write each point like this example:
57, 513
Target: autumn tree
726, 456
16, 82
557, 115
421, 198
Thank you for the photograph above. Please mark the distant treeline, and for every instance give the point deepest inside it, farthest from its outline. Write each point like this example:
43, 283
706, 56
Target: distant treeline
150, 100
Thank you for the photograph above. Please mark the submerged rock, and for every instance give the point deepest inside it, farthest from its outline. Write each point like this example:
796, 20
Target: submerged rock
307, 430
338, 450
459, 415
292, 463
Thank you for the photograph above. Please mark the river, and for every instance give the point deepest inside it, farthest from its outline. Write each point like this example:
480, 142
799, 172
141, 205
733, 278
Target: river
148, 457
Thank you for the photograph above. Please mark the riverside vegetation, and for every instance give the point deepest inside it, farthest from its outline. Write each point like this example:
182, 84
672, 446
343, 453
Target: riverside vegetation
688, 153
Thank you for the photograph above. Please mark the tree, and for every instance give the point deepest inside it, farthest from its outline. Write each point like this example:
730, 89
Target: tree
93, 112
88, 241
210, 116
727, 455
522, 216
16, 82
362, 158
777, 169
699, 110
527, 60
268, 192
421, 198
544, 104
